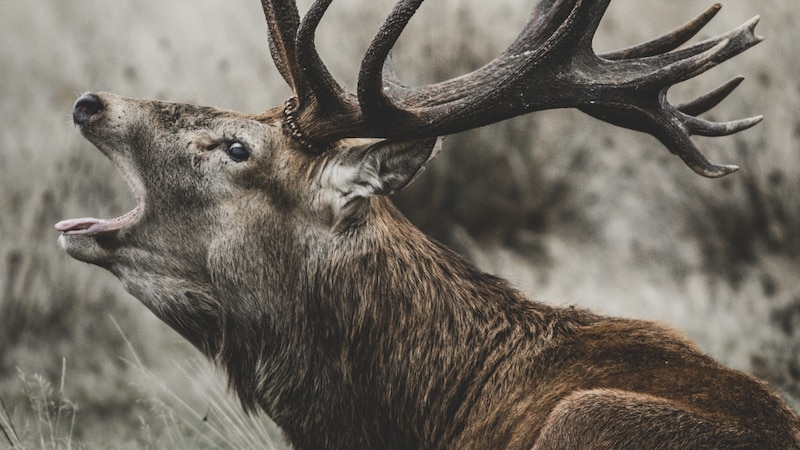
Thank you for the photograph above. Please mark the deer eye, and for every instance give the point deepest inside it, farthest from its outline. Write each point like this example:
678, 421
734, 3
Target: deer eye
238, 152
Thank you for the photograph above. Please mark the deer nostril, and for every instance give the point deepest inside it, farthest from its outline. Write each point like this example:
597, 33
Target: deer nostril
85, 107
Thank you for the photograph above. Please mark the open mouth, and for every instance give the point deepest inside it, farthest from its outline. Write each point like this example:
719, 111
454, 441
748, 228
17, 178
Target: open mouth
87, 108
88, 226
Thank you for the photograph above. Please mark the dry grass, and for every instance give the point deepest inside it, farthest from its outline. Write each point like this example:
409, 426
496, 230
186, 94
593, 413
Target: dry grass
202, 415
569, 209
52, 416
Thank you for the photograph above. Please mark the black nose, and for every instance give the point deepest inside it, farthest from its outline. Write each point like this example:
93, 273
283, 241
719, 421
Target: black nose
85, 107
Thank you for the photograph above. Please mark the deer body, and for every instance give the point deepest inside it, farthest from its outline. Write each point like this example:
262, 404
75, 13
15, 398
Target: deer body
333, 314
421, 350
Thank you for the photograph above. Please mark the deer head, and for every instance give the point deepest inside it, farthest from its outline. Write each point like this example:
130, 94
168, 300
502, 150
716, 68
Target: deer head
267, 240
213, 184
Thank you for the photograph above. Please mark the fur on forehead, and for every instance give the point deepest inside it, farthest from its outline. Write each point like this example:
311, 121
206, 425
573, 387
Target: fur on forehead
250, 132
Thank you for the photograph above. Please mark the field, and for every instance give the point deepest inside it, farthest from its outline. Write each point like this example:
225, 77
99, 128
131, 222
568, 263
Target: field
571, 210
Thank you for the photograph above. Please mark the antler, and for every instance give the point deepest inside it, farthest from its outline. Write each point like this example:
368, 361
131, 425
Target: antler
551, 64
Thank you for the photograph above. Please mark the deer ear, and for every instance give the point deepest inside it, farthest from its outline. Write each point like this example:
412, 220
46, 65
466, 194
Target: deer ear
388, 166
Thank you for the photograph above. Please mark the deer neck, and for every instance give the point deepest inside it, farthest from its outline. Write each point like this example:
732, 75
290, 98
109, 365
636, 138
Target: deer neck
377, 313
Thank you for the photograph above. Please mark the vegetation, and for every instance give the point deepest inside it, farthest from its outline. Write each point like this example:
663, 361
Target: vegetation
167, 419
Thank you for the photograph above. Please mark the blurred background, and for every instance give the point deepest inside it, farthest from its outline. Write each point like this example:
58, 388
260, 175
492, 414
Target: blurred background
571, 210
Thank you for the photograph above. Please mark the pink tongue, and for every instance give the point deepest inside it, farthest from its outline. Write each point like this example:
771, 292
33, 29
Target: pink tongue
90, 225
76, 224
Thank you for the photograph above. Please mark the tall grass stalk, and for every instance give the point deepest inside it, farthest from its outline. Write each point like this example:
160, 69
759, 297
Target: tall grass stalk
7, 427
223, 424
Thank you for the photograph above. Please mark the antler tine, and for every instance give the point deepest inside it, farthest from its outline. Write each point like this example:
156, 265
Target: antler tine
318, 77
282, 21
707, 102
669, 41
680, 65
376, 75
697, 161
702, 127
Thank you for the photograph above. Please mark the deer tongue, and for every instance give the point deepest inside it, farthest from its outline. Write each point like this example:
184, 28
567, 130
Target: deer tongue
83, 224
90, 225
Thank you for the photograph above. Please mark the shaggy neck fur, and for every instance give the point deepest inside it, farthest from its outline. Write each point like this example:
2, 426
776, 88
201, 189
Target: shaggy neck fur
392, 333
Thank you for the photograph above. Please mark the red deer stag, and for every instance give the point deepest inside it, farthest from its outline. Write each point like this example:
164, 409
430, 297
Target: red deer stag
268, 242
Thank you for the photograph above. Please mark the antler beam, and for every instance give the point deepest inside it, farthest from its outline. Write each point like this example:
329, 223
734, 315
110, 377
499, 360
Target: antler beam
551, 64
